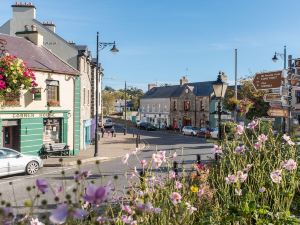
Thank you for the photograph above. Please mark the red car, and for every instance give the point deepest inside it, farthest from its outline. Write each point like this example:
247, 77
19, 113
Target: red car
204, 133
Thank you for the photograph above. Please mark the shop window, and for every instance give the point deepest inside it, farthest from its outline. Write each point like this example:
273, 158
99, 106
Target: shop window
11, 99
52, 130
52, 93
37, 94
298, 97
187, 105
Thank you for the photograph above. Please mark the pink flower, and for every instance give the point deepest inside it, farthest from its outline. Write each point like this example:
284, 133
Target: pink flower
58, 189
35, 222
143, 162
200, 191
128, 220
174, 155
262, 138
291, 143
125, 158
276, 176
252, 124
231, 178
82, 175
239, 129
286, 137
257, 145
178, 185
172, 174
217, 149
159, 158
239, 149
42, 185
96, 194
175, 198
248, 167
126, 208
290, 165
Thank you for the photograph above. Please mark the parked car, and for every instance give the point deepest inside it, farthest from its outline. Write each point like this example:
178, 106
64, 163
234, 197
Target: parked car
108, 123
204, 132
13, 162
189, 130
146, 126
214, 132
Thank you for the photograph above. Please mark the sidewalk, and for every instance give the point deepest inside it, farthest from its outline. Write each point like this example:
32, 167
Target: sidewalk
108, 148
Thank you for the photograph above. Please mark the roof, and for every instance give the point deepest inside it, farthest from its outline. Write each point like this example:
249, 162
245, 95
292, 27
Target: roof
36, 57
200, 89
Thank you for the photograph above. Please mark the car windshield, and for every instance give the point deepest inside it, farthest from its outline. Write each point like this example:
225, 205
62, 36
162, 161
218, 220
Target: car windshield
5, 153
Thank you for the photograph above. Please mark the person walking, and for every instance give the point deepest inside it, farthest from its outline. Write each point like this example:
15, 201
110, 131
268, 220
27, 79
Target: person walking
102, 131
112, 131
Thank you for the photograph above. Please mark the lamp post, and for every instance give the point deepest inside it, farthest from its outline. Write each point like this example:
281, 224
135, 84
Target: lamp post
219, 87
100, 46
125, 108
275, 59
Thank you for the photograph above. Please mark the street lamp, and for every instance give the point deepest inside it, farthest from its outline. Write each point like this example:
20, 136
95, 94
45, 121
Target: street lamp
219, 87
100, 46
275, 59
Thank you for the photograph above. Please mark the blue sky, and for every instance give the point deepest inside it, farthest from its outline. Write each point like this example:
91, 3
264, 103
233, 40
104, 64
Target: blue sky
162, 40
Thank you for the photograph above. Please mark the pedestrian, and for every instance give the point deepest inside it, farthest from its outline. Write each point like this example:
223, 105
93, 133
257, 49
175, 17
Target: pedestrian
102, 131
112, 131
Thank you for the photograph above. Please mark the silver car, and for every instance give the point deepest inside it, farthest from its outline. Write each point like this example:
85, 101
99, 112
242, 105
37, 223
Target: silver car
12, 162
189, 130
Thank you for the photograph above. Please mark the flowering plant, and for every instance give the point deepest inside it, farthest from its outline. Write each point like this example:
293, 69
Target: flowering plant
14, 75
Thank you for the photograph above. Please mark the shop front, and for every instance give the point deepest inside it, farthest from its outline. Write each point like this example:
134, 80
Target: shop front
27, 131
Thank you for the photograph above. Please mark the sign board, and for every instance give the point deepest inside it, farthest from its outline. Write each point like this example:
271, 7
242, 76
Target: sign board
272, 98
268, 80
276, 105
278, 112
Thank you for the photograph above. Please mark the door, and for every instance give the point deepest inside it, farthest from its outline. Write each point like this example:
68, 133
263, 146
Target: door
7, 137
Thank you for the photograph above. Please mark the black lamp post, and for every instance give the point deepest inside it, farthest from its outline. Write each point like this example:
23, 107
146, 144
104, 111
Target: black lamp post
219, 87
100, 46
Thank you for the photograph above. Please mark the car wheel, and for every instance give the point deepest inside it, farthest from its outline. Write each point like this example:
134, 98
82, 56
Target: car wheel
192, 134
32, 167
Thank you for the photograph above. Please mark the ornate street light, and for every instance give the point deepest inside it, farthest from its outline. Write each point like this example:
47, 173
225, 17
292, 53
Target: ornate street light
100, 46
219, 87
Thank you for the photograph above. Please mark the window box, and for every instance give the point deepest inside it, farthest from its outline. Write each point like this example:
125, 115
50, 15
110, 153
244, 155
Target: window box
11, 100
53, 103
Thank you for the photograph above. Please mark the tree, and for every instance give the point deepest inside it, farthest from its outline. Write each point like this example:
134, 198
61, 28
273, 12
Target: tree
108, 88
258, 107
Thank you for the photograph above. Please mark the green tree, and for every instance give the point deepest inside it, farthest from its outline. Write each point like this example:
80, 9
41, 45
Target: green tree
248, 91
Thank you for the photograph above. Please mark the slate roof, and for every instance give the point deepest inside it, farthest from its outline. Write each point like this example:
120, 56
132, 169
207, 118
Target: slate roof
36, 57
199, 89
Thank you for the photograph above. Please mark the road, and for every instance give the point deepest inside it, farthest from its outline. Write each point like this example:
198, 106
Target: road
13, 188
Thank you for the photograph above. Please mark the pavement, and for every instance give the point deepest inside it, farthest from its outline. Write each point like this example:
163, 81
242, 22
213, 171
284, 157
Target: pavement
108, 148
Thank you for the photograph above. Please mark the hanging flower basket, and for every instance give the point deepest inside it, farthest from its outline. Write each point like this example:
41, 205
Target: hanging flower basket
244, 105
14, 75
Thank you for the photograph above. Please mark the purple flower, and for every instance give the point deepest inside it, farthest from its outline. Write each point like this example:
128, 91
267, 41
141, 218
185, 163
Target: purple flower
62, 212
126, 208
242, 176
58, 189
172, 174
103, 220
290, 165
276, 176
262, 189
178, 185
42, 185
128, 220
257, 145
239, 149
96, 194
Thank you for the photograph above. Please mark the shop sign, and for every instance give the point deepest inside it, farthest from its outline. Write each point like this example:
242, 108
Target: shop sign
30, 115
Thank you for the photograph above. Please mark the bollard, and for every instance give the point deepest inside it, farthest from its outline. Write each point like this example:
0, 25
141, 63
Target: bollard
125, 131
136, 142
139, 138
198, 161
175, 168
132, 133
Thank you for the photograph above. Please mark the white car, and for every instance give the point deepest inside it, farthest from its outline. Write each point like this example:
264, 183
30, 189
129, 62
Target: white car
108, 123
214, 133
12, 162
189, 130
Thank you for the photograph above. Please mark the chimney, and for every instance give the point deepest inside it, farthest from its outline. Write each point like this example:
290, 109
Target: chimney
23, 11
150, 86
50, 25
31, 35
224, 77
183, 81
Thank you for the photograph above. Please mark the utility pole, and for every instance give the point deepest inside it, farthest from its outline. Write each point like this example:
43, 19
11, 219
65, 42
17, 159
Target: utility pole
125, 108
97, 98
289, 77
235, 83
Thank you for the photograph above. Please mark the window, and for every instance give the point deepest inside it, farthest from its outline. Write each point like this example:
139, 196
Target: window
187, 105
37, 94
88, 97
174, 106
297, 97
52, 130
201, 105
52, 92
